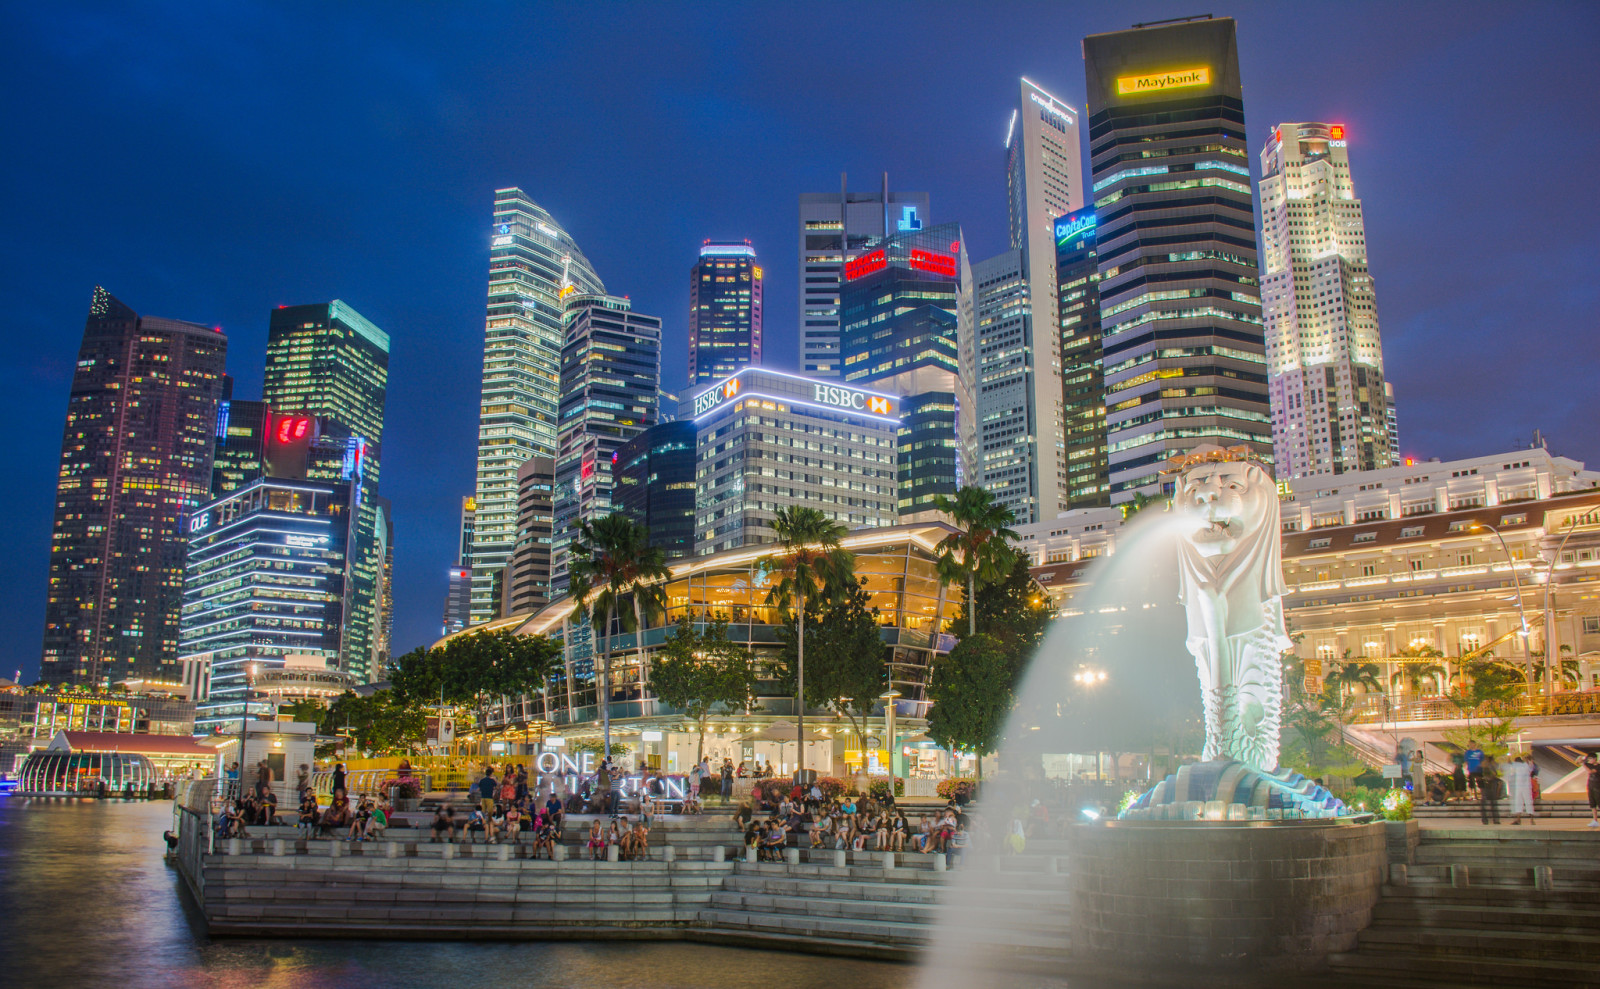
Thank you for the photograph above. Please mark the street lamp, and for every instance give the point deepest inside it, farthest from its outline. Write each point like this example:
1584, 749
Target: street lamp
1088, 677
888, 731
1552, 652
1516, 580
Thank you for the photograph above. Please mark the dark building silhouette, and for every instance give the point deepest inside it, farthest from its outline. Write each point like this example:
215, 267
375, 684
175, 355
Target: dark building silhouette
655, 485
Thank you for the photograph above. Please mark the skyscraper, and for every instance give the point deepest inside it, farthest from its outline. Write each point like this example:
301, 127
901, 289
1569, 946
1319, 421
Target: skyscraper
328, 361
724, 311
240, 445
905, 305
834, 228
135, 462
1083, 387
655, 485
268, 577
458, 595
766, 440
527, 580
1002, 376
533, 266
1021, 418
1330, 402
610, 383
1180, 302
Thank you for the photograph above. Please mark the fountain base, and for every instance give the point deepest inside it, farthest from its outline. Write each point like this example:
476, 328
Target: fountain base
1228, 790
1159, 902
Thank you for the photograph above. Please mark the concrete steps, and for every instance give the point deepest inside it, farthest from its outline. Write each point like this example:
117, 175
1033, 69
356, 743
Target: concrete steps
1481, 909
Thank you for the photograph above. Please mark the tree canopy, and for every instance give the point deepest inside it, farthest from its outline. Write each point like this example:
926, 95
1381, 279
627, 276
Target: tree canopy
971, 694
700, 669
980, 552
846, 667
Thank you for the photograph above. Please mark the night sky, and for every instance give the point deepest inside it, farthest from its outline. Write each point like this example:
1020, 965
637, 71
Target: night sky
210, 161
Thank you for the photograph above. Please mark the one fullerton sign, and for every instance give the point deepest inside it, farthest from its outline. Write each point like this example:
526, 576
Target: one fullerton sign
1156, 82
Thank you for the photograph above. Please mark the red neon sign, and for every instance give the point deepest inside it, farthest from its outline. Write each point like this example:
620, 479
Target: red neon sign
291, 429
866, 264
1336, 132
939, 264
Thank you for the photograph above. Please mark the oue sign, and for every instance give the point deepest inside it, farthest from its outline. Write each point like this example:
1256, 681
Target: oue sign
849, 398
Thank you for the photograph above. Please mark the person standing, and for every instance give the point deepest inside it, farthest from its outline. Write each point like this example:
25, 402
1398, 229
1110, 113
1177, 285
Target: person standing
1488, 777
1419, 776
487, 789
1592, 763
338, 778
727, 779
1473, 757
1519, 782
302, 779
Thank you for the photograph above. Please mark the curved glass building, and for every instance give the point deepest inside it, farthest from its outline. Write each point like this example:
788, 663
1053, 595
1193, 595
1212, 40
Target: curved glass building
533, 266
899, 565
65, 774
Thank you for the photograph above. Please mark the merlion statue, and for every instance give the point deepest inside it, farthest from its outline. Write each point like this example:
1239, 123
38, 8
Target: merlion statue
1231, 583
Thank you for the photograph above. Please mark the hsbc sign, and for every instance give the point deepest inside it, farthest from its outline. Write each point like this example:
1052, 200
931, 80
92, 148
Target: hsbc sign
849, 398
713, 397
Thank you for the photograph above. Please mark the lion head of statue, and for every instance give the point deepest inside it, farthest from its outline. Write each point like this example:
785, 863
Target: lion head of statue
1233, 503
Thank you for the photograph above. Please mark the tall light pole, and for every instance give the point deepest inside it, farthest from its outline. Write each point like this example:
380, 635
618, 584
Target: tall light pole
1516, 580
1552, 650
1087, 677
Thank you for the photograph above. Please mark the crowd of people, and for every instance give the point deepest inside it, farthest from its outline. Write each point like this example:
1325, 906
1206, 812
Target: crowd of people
806, 818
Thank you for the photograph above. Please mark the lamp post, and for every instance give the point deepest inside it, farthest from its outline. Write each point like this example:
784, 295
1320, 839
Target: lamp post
1552, 651
1516, 581
888, 732
1091, 678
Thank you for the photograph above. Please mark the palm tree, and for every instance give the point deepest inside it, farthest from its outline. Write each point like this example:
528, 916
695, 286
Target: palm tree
811, 563
983, 542
614, 564
1413, 675
1350, 674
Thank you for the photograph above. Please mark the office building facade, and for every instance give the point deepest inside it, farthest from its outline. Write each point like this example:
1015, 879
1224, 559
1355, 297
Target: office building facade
655, 485
241, 441
1180, 299
1002, 380
766, 440
534, 265
724, 311
610, 383
458, 589
834, 229
1083, 390
329, 362
136, 456
527, 579
269, 575
1330, 401
905, 306
1043, 181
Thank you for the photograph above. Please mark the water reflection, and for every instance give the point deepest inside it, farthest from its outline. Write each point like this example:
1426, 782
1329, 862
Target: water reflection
86, 901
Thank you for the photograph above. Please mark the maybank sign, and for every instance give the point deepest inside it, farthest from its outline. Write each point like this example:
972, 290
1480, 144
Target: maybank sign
848, 398
1159, 81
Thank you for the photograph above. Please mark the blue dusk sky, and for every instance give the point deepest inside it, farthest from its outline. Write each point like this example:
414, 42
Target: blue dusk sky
211, 161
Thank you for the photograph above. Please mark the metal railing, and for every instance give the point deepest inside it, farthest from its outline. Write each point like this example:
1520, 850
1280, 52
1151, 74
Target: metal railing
1378, 709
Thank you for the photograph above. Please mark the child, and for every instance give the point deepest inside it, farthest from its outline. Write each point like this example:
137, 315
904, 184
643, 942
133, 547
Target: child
377, 822
956, 850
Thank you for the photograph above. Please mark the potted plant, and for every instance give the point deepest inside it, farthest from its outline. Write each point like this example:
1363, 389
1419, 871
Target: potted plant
404, 792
